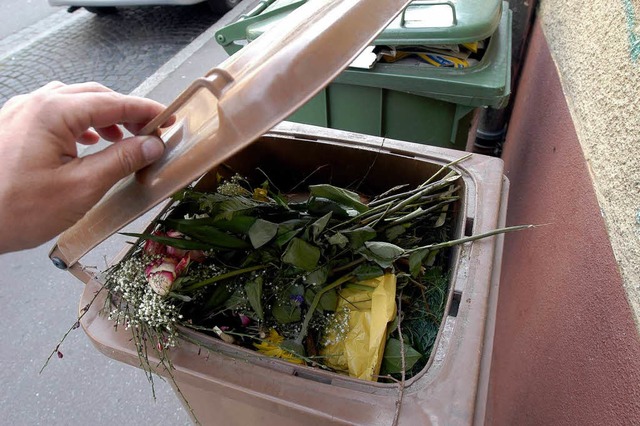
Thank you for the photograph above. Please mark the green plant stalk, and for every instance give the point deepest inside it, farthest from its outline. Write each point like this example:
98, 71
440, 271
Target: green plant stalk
468, 239
427, 189
446, 166
422, 185
404, 203
395, 197
420, 202
221, 277
377, 212
314, 305
417, 213
348, 265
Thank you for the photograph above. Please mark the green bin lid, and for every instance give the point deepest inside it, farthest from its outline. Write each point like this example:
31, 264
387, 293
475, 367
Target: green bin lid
422, 22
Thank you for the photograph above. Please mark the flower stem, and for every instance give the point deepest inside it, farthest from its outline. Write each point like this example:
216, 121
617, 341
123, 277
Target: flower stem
314, 305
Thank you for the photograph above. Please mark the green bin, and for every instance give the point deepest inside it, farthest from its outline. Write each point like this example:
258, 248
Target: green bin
406, 101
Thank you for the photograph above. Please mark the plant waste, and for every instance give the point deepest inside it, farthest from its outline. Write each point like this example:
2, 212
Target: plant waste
297, 276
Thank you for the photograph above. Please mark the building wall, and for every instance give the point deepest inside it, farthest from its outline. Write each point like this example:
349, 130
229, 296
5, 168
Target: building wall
566, 348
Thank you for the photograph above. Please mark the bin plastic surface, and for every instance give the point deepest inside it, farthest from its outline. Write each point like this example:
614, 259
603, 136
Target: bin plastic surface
230, 385
218, 119
404, 101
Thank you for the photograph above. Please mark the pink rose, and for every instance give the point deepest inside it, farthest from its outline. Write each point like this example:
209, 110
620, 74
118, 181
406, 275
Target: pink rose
154, 247
162, 273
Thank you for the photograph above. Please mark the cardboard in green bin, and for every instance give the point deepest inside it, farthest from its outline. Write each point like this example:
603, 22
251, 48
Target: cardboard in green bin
403, 101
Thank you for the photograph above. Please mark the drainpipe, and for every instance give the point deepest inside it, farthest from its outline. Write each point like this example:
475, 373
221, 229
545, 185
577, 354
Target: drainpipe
492, 123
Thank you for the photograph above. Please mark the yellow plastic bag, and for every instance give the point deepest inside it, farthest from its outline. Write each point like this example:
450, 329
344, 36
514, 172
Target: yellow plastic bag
368, 311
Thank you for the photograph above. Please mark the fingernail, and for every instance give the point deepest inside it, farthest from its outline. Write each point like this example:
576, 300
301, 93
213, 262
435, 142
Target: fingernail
152, 148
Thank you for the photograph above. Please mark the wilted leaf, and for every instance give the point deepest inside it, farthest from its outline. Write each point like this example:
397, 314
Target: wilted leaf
253, 289
339, 195
392, 359
301, 254
262, 232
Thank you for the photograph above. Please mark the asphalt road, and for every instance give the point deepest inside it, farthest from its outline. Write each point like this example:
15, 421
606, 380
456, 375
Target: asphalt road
143, 50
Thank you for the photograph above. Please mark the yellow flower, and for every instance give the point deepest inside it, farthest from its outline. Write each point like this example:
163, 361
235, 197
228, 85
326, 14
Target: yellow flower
260, 194
270, 346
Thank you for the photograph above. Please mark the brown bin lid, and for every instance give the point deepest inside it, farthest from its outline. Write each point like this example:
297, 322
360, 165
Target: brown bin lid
232, 106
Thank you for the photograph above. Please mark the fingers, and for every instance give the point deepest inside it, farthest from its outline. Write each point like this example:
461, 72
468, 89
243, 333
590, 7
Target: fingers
110, 133
89, 138
59, 87
103, 109
103, 169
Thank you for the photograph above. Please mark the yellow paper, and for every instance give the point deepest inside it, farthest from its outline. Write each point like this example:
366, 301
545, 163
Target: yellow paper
360, 351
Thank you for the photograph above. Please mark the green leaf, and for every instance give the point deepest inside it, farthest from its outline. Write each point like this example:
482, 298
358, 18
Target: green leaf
415, 261
339, 195
308, 296
293, 347
215, 237
253, 289
318, 226
320, 206
218, 297
394, 232
301, 254
262, 232
392, 358
179, 243
431, 259
287, 230
236, 300
317, 277
384, 254
359, 236
367, 272
329, 300
237, 224
286, 314
443, 217
338, 239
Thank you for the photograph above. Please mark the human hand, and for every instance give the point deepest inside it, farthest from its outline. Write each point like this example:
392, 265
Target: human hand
44, 186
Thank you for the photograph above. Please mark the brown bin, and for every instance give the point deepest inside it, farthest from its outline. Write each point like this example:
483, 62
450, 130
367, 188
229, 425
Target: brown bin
233, 386
217, 119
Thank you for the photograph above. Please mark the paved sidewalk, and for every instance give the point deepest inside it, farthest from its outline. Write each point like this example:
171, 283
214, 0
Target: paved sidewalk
40, 303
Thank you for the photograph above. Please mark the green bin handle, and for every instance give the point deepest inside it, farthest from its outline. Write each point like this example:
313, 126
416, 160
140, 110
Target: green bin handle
227, 36
428, 3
